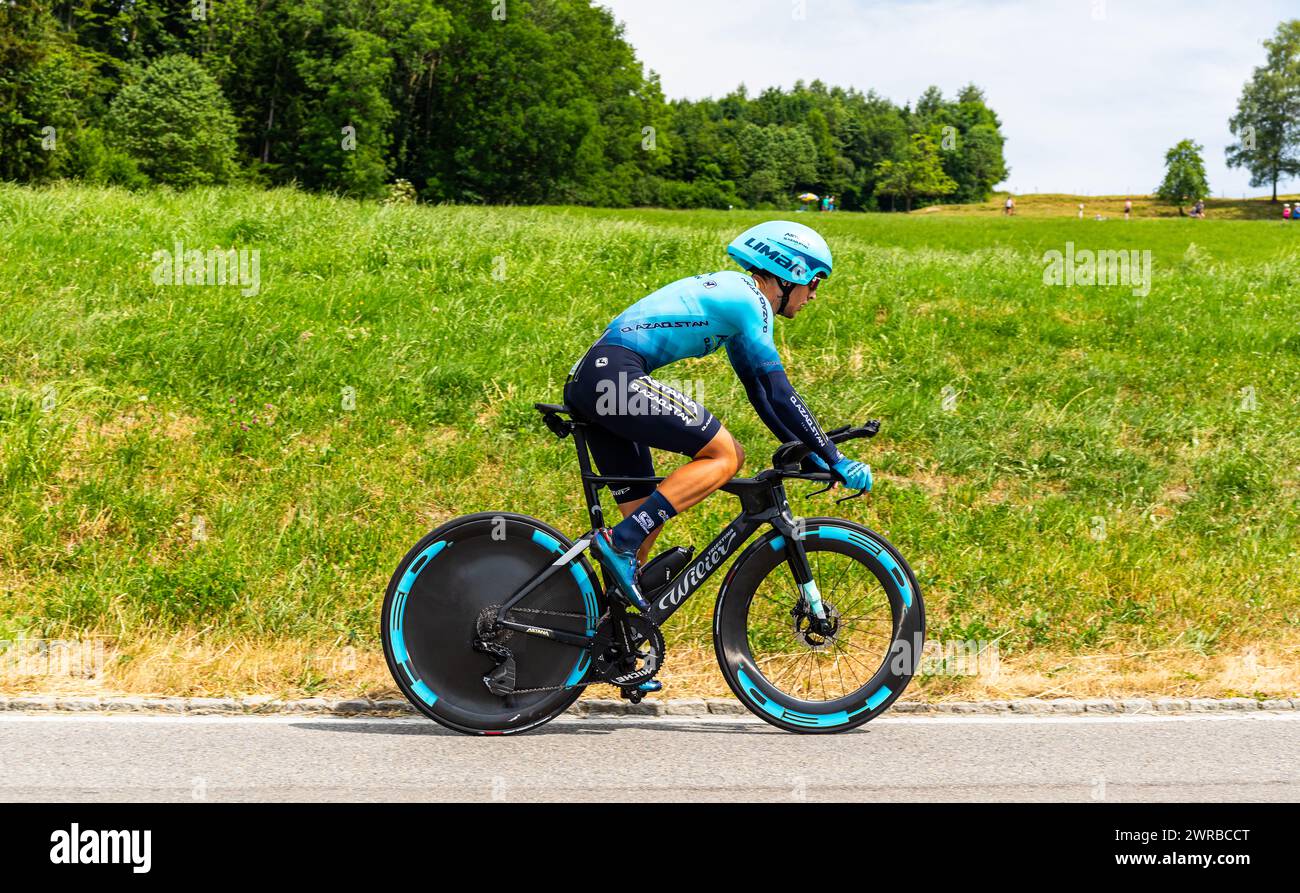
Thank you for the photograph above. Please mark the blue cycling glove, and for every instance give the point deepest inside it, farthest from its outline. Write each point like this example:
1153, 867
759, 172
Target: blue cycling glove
854, 475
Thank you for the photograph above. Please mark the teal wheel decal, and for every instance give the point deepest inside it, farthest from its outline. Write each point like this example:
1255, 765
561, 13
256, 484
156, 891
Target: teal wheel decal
451, 587
829, 654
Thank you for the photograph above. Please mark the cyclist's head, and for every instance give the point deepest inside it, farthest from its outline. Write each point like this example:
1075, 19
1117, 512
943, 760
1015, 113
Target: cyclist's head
790, 255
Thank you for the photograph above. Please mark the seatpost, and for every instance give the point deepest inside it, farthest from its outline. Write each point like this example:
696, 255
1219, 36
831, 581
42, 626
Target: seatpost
590, 490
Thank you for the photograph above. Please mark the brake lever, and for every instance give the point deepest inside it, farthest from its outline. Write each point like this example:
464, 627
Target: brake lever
854, 496
829, 486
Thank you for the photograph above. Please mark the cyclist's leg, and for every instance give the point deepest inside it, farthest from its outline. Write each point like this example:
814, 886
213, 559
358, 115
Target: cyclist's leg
718, 462
611, 387
655, 414
619, 457
687, 486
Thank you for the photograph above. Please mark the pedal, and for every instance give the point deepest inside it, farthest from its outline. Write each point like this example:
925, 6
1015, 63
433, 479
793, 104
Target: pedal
660, 570
501, 681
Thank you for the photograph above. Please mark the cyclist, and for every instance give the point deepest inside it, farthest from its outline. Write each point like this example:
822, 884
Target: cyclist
629, 411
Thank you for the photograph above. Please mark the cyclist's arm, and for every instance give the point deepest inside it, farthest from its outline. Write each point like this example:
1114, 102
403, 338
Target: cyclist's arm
790, 409
776, 401
763, 406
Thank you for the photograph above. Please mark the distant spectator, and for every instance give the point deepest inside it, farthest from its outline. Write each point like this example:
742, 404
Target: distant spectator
1199, 211
1080, 210
1010, 208
1128, 209
1286, 211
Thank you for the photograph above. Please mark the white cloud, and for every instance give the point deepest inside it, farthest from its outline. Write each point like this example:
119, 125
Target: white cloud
1091, 92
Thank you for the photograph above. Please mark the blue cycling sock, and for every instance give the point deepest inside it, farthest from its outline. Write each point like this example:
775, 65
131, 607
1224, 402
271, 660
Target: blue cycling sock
631, 532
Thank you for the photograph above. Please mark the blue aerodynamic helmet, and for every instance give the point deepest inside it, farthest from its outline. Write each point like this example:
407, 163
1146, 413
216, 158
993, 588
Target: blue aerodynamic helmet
789, 251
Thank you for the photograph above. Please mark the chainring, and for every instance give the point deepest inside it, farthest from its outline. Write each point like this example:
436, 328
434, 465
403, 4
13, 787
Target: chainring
611, 663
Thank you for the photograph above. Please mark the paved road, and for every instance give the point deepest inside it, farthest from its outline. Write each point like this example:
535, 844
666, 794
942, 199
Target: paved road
1118, 759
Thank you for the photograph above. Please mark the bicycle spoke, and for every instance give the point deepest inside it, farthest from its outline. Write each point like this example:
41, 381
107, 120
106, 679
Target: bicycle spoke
850, 657
818, 664
844, 689
865, 632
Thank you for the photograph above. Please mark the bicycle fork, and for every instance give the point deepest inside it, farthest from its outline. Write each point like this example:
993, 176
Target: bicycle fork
793, 532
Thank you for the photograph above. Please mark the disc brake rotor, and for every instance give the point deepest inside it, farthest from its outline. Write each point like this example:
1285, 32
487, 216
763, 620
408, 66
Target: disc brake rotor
819, 636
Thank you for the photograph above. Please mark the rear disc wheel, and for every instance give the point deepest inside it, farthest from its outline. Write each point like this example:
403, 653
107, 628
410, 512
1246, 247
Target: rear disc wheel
441, 597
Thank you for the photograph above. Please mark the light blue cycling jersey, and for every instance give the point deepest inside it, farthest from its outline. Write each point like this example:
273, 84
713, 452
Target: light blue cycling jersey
695, 316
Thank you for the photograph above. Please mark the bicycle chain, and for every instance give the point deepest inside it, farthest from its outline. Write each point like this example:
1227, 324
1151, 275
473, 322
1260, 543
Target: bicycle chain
528, 691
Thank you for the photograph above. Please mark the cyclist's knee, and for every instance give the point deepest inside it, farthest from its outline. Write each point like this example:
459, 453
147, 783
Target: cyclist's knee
726, 449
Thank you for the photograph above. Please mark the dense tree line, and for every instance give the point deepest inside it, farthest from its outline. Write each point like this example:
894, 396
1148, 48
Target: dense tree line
521, 101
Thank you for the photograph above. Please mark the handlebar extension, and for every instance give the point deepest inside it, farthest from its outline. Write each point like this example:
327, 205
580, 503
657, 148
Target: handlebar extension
788, 456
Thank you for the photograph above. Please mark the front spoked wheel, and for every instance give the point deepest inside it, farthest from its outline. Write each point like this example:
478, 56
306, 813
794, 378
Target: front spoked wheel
808, 674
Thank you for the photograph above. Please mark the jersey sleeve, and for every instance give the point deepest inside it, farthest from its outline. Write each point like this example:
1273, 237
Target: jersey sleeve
752, 352
752, 349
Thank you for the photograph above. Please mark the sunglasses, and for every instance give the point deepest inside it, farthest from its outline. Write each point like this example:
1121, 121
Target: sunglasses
812, 286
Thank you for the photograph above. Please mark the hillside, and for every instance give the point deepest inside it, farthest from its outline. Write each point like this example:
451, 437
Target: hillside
217, 481
1112, 207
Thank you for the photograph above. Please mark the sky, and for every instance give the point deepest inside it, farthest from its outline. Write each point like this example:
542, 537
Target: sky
1091, 93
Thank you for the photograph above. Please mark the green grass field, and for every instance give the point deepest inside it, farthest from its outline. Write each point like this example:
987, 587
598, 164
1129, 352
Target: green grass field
1106, 484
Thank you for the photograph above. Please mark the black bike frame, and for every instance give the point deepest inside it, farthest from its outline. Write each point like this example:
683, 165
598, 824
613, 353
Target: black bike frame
763, 501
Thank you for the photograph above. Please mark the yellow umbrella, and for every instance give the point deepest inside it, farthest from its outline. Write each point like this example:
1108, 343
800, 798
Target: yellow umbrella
808, 197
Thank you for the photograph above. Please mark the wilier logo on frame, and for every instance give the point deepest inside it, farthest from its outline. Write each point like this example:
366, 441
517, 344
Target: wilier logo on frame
240, 267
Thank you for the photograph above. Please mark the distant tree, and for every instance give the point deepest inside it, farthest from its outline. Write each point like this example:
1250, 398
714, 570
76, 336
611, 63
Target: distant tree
1267, 123
917, 174
45, 78
541, 102
176, 124
1185, 178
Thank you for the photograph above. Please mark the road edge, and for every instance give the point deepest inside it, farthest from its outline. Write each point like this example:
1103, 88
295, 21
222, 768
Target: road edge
266, 705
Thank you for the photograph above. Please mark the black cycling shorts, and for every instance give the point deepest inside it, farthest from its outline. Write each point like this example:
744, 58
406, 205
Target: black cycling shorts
628, 412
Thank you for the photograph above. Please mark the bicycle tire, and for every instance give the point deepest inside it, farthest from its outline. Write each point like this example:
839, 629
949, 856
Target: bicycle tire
732, 633
433, 602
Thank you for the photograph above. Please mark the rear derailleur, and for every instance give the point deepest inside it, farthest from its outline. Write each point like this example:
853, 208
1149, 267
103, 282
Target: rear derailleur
626, 651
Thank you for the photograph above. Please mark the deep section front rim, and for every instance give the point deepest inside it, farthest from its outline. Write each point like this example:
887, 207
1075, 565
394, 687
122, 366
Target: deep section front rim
747, 673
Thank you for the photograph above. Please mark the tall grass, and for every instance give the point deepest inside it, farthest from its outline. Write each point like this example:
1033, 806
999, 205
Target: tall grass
1069, 470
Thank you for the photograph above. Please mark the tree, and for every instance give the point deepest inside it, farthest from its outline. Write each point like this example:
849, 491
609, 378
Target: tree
1267, 123
918, 174
1185, 178
470, 100
176, 124
45, 78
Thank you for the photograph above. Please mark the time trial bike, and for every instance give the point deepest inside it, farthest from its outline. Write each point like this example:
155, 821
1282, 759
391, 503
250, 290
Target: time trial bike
494, 623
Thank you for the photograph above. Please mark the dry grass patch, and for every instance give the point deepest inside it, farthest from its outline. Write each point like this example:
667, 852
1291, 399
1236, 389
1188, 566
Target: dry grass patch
191, 665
